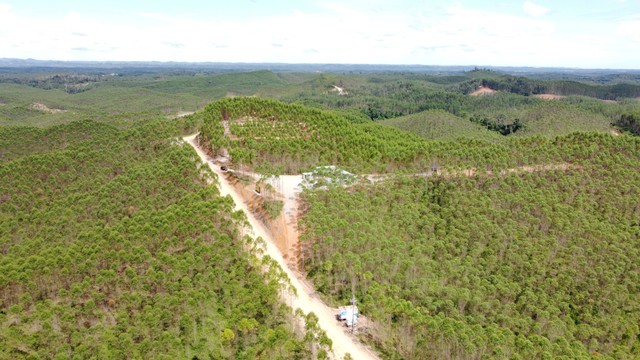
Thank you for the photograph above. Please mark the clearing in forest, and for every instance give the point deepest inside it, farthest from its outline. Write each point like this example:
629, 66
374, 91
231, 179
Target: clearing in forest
42, 107
483, 91
549, 96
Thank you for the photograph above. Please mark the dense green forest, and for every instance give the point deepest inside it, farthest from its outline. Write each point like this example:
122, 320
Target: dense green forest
630, 122
441, 125
112, 245
291, 138
524, 245
390, 96
540, 265
527, 86
122, 98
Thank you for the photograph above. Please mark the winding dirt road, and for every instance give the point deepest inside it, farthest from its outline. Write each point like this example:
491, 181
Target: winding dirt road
306, 300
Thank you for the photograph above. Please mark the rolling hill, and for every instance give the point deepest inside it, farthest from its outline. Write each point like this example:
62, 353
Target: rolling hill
441, 125
523, 246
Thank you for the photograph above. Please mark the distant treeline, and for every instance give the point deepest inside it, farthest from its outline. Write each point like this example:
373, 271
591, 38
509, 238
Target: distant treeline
527, 86
69, 82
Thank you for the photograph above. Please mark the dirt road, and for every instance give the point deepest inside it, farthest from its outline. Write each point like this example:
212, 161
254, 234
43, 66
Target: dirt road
472, 172
306, 299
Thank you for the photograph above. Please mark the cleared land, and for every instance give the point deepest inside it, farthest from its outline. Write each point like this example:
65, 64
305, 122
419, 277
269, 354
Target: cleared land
482, 91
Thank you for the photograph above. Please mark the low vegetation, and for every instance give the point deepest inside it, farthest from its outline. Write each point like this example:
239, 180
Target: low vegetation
273, 208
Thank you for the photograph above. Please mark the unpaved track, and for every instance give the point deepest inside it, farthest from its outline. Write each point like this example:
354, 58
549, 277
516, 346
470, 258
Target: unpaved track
473, 172
306, 300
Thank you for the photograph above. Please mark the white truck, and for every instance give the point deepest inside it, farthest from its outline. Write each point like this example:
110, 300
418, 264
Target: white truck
348, 314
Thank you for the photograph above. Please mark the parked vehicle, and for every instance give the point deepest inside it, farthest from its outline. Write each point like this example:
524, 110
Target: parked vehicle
348, 314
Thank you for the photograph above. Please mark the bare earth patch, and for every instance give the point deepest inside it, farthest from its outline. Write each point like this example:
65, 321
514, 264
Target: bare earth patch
340, 90
549, 96
483, 91
42, 107
182, 114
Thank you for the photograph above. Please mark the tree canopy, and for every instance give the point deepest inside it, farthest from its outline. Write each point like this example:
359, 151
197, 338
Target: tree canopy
113, 245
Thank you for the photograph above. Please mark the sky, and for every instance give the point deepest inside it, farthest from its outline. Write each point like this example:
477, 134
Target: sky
538, 33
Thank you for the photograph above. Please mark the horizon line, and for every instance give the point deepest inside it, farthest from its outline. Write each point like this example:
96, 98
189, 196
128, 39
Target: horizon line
473, 66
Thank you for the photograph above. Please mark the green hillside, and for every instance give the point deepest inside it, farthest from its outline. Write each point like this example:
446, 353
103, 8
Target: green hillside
522, 85
540, 265
557, 118
288, 138
112, 245
441, 125
524, 245
293, 138
497, 266
123, 99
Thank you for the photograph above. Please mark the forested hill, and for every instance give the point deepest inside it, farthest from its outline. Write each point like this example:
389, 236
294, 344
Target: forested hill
539, 261
528, 86
273, 136
524, 245
529, 265
113, 246
441, 125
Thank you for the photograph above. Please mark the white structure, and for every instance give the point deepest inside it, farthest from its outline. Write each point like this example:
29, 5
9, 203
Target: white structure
326, 175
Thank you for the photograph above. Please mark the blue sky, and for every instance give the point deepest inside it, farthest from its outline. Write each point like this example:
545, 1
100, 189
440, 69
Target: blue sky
568, 33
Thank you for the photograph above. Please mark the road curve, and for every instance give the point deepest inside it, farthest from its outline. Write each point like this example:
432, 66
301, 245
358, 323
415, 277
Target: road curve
306, 300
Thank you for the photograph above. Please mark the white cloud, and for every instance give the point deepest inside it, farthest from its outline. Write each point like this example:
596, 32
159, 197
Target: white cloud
473, 36
630, 30
4, 9
344, 33
534, 10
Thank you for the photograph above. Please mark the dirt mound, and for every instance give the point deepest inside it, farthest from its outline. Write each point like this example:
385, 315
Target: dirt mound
42, 107
482, 91
549, 96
